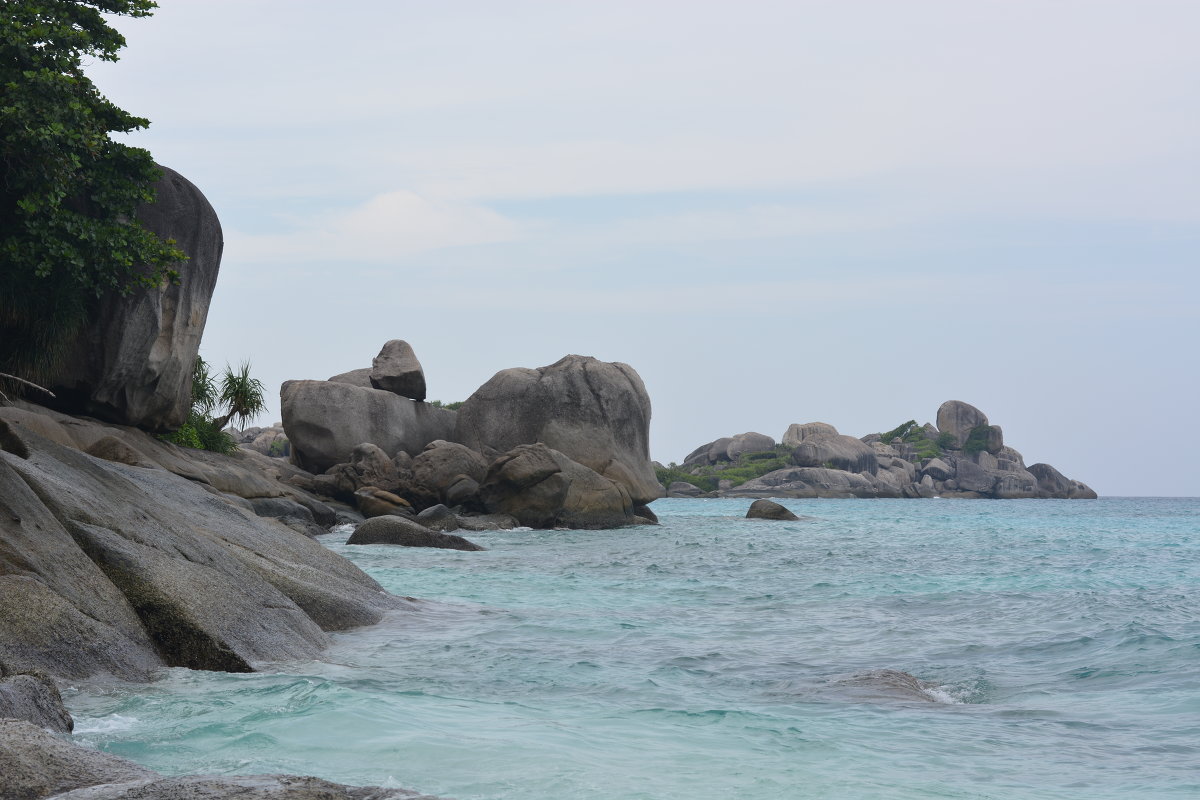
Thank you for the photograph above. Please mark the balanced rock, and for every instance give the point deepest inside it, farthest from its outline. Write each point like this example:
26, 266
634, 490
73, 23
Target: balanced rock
133, 364
543, 488
396, 369
406, 533
768, 509
325, 421
594, 413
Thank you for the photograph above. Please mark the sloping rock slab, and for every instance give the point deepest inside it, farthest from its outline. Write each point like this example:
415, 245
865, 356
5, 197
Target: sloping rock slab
139, 567
36, 764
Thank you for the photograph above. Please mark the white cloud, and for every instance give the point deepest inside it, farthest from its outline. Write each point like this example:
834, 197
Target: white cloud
382, 229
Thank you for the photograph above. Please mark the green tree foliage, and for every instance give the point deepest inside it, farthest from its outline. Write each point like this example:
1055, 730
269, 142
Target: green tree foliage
241, 395
68, 192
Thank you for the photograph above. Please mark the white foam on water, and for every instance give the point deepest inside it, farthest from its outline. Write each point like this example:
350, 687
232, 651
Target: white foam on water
940, 694
343, 528
110, 724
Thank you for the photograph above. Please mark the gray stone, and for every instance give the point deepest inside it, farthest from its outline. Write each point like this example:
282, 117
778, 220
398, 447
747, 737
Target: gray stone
355, 377
542, 488
133, 364
937, 470
35, 764
595, 413
971, 477
802, 482
443, 464
396, 369
958, 419
375, 502
487, 522
708, 454
1014, 485
684, 489
748, 443
110, 569
326, 421
34, 698
797, 433
406, 533
836, 452
438, 518
250, 787
885, 685
463, 492
767, 509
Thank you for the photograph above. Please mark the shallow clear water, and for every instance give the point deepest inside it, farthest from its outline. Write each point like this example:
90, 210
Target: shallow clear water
701, 659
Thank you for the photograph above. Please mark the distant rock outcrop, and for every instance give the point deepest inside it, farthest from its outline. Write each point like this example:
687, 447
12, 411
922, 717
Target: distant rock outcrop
964, 456
592, 412
133, 364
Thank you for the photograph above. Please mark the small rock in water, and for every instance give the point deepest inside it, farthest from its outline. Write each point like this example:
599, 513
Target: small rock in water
768, 509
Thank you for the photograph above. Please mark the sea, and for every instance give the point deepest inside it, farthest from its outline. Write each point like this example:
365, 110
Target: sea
1056, 645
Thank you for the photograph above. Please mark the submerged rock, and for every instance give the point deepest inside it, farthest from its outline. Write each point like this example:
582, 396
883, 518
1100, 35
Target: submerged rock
885, 685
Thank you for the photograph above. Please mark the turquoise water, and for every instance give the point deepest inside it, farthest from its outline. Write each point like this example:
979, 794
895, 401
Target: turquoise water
701, 659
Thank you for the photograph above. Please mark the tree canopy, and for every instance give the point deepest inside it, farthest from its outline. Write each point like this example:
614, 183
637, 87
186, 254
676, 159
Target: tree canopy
68, 192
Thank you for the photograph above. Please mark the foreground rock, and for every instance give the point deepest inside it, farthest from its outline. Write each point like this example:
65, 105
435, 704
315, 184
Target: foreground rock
35, 699
542, 488
35, 764
594, 413
963, 457
133, 364
766, 509
111, 569
407, 533
326, 420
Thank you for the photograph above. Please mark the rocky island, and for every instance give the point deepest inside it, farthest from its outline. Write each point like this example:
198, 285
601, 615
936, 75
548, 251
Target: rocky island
962, 456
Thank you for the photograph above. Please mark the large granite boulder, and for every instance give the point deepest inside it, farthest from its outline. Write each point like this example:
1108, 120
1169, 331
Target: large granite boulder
111, 569
368, 466
1052, 483
709, 454
685, 489
813, 482
133, 364
959, 419
763, 508
396, 369
797, 432
442, 466
543, 488
593, 412
326, 420
836, 452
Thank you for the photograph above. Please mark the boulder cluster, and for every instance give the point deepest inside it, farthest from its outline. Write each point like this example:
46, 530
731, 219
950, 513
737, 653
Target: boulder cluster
565, 445
961, 456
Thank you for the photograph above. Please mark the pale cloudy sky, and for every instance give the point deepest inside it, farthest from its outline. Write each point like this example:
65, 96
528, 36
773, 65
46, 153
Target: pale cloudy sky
776, 212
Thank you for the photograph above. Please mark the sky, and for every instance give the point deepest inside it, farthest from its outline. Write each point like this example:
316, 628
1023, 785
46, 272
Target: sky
776, 212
